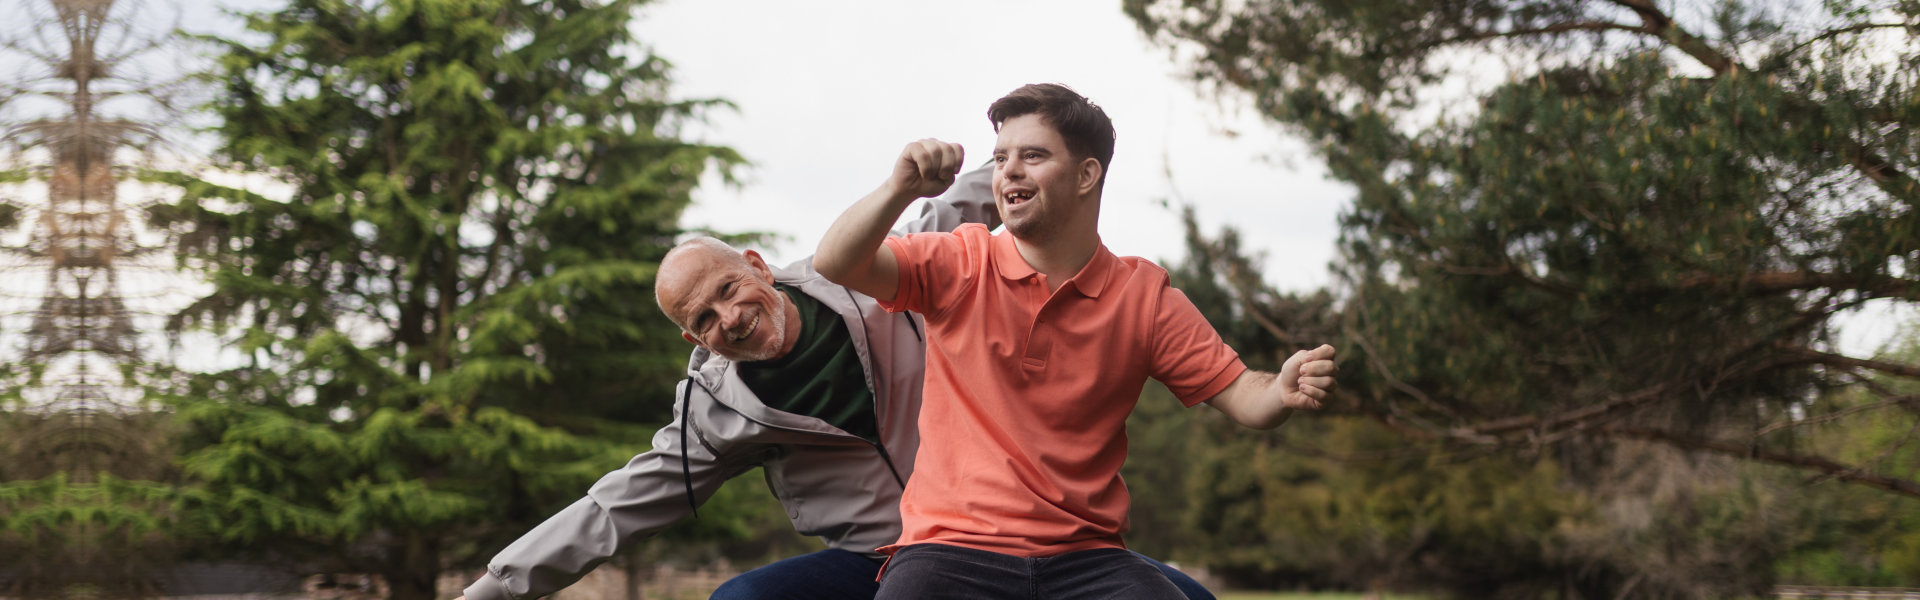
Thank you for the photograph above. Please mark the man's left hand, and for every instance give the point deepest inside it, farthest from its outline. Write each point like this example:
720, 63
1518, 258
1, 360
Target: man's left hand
1306, 377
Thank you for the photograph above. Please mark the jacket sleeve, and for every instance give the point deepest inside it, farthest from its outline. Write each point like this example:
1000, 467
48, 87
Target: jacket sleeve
970, 200
624, 507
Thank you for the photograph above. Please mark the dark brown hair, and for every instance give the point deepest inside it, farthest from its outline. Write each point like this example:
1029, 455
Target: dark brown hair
1086, 128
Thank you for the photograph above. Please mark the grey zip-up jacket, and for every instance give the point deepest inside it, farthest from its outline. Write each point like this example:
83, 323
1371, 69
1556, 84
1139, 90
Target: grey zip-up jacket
833, 484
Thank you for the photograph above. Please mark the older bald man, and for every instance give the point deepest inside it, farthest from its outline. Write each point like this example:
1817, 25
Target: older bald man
813, 383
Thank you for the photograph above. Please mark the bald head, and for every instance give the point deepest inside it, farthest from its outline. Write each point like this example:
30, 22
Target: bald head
718, 295
685, 265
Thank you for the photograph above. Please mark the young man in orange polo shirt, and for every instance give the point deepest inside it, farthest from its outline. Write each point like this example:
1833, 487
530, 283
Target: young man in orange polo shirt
1039, 343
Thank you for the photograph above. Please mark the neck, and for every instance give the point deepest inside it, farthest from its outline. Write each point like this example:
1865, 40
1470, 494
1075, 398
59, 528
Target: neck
1062, 255
793, 324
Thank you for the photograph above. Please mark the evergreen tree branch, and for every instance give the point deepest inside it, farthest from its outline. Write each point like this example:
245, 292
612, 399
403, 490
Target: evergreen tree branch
1478, 36
1826, 466
1833, 33
1837, 415
1847, 362
1787, 281
1572, 418
1660, 24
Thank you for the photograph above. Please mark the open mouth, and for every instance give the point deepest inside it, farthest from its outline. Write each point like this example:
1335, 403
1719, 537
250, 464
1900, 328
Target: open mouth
1018, 197
747, 332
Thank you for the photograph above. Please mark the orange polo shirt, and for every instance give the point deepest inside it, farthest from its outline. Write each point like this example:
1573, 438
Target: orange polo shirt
1023, 421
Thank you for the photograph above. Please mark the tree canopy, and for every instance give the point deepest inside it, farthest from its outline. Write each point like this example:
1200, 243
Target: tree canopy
439, 309
1584, 228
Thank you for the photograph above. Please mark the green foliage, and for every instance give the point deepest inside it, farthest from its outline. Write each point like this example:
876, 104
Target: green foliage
1857, 537
1642, 235
443, 330
80, 508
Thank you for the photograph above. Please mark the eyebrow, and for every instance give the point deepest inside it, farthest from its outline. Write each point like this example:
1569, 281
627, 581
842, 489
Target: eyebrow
702, 312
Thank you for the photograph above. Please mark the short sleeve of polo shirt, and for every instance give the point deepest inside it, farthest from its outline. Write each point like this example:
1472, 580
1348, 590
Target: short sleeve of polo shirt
936, 268
1188, 355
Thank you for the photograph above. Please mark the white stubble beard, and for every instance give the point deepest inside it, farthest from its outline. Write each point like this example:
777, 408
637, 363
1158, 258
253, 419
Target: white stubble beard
777, 320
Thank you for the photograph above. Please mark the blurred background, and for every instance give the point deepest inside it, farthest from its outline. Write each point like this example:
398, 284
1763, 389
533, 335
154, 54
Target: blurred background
335, 298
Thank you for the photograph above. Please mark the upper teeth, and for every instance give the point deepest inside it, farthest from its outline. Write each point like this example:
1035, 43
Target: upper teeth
749, 330
1019, 195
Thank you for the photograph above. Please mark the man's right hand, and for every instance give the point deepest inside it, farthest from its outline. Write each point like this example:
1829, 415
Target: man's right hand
926, 168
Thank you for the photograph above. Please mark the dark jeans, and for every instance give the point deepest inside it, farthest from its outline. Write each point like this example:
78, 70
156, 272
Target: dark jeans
938, 572
839, 574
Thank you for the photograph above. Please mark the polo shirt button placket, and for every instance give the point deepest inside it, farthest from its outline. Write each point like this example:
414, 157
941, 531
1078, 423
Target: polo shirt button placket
1038, 344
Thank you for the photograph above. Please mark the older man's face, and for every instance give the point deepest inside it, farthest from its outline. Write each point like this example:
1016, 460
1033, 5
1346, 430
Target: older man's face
725, 304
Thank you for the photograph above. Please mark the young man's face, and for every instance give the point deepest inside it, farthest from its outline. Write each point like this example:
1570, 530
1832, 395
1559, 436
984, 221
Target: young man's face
726, 307
1035, 178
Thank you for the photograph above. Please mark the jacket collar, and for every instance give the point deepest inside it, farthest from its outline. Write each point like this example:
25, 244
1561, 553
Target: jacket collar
1090, 281
721, 379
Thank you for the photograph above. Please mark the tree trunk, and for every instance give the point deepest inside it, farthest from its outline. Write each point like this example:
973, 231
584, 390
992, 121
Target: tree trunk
416, 574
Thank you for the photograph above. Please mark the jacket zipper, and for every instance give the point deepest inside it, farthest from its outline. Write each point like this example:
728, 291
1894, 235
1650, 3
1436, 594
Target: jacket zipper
877, 446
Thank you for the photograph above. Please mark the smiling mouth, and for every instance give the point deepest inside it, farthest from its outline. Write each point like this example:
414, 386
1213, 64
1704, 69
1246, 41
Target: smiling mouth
1019, 197
751, 327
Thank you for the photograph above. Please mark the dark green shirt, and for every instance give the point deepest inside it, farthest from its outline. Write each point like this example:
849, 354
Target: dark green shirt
821, 377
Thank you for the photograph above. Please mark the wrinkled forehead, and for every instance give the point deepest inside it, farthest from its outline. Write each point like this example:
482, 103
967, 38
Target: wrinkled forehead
690, 278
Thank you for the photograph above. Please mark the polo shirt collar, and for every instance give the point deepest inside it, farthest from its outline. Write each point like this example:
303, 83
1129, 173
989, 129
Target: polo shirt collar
1090, 281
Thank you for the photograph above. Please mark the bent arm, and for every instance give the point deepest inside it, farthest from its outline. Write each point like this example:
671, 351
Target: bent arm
626, 506
970, 200
851, 254
1264, 400
1252, 400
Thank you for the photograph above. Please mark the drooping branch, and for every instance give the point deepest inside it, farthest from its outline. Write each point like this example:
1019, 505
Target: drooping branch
1833, 33
1838, 414
1847, 362
1826, 466
1573, 418
1789, 281
1478, 36
1657, 22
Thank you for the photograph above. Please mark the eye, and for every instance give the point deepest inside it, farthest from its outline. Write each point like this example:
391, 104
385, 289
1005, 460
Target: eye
1033, 156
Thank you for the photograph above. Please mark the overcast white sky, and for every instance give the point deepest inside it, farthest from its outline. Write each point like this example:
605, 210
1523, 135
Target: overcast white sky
829, 92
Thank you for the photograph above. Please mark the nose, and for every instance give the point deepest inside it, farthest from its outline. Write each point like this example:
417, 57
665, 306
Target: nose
730, 317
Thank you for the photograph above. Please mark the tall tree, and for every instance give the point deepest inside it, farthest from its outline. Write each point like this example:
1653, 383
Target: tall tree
436, 312
1647, 229
1585, 226
81, 112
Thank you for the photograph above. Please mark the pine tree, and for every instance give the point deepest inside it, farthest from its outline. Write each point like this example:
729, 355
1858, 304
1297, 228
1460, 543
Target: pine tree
436, 332
1649, 228
1606, 234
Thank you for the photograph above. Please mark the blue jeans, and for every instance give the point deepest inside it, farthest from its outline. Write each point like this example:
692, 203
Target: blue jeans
839, 574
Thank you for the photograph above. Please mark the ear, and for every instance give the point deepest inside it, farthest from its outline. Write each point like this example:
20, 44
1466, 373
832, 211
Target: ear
759, 266
1090, 172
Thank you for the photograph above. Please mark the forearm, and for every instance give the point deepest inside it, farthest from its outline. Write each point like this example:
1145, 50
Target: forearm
970, 200
625, 506
847, 253
552, 556
1253, 400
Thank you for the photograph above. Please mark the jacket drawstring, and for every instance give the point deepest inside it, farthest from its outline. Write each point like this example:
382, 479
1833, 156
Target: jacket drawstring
877, 444
686, 471
890, 468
